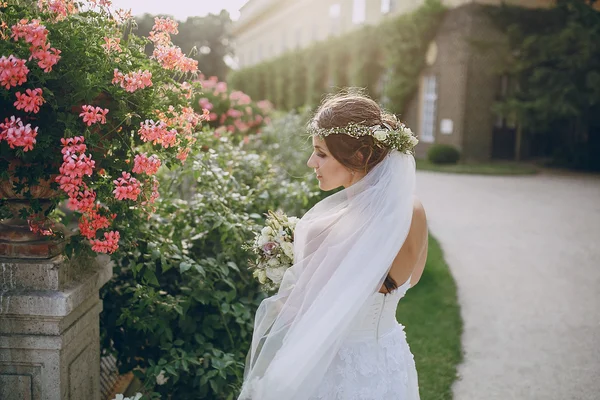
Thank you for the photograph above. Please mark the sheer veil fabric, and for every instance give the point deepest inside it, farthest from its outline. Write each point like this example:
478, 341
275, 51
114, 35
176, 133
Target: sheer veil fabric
343, 249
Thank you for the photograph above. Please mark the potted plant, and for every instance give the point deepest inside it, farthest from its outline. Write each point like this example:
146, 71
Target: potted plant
87, 118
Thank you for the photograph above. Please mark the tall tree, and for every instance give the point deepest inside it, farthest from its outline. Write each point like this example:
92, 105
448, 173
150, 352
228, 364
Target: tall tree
556, 68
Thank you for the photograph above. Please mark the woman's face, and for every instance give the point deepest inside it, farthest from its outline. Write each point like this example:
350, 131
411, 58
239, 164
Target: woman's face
330, 172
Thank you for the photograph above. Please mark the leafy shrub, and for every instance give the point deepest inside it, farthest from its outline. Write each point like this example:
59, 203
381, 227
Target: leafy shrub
182, 303
443, 154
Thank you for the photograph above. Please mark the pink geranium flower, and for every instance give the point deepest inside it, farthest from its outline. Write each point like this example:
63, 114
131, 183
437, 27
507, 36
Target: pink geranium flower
47, 57
112, 44
145, 164
13, 71
133, 80
110, 244
32, 32
92, 221
30, 101
18, 135
172, 58
157, 133
127, 187
92, 114
167, 25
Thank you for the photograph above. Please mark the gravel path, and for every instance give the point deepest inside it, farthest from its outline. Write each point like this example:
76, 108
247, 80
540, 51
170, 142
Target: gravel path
525, 254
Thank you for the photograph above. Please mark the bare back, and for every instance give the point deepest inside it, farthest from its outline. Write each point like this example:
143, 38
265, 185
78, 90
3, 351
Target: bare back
410, 260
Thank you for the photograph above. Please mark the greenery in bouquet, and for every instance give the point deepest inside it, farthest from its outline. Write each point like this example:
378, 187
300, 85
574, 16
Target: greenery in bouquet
232, 111
87, 114
273, 247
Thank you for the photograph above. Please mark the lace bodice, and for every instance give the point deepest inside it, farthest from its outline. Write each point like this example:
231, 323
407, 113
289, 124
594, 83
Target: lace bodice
375, 362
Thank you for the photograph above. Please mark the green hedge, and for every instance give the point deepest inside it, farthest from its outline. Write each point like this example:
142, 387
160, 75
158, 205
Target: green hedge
359, 58
443, 154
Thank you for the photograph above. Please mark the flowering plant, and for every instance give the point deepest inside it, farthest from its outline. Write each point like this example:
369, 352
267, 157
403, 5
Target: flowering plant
86, 113
274, 250
232, 111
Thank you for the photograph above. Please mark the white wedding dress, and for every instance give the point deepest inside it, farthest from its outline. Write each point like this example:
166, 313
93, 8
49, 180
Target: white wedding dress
374, 362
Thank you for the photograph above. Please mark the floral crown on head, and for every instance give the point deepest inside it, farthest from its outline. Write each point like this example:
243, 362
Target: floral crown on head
401, 138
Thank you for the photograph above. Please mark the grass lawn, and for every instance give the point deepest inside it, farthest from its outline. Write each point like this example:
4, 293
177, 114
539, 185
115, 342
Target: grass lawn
431, 315
494, 168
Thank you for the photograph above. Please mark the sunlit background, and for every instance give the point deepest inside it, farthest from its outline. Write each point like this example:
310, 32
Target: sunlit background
181, 9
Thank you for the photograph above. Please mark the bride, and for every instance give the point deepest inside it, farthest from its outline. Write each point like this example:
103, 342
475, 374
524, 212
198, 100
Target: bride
330, 332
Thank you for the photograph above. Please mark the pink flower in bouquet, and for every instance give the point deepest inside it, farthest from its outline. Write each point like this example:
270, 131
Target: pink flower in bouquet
127, 187
92, 114
13, 71
145, 164
110, 244
30, 101
268, 248
18, 135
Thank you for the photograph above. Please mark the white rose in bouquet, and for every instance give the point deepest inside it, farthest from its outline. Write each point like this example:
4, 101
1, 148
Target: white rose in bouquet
276, 274
288, 249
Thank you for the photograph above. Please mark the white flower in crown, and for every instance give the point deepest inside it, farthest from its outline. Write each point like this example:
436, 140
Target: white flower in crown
413, 141
380, 134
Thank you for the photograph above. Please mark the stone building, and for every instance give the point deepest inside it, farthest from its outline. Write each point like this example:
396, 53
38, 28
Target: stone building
457, 88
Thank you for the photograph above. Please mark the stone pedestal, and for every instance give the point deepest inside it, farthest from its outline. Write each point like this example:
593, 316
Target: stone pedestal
49, 328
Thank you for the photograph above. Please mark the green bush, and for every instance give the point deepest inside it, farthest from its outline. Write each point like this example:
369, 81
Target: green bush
182, 301
443, 154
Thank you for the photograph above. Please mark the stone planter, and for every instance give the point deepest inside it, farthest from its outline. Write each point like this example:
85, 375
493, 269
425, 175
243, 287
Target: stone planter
16, 238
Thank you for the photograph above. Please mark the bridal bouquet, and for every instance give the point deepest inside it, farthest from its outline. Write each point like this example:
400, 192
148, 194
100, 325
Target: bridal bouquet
274, 249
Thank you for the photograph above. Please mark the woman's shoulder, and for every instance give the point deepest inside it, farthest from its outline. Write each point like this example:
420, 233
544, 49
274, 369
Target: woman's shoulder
419, 215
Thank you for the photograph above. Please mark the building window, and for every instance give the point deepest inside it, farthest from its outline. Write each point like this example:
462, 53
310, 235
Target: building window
428, 108
359, 11
335, 10
387, 6
298, 37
